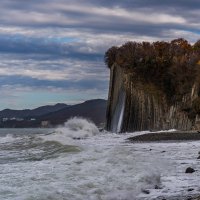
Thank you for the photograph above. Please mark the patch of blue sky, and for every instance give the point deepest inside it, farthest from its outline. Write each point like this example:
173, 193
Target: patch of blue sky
196, 30
33, 99
42, 97
62, 39
56, 39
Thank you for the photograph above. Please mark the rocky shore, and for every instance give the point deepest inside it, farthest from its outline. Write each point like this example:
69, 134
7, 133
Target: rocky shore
178, 136
167, 136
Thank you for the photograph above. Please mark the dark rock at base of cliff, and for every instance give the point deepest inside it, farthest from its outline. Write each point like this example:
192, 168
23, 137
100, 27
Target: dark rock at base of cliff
166, 136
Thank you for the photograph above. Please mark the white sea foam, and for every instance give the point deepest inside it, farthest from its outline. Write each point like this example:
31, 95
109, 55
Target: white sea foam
146, 132
170, 130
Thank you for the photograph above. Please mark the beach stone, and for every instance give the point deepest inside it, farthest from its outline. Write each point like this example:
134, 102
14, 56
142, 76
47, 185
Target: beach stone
145, 191
184, 163
157, 187
189, 170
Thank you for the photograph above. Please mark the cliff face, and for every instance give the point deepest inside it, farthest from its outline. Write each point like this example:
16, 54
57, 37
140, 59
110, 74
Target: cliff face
136, 103
135, 106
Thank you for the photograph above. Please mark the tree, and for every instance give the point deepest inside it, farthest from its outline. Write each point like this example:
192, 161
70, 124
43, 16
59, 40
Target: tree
110, 56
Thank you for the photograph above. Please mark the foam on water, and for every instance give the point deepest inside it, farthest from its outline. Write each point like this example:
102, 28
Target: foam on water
7, 139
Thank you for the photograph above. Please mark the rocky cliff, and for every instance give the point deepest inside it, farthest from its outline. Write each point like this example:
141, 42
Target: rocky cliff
154, 86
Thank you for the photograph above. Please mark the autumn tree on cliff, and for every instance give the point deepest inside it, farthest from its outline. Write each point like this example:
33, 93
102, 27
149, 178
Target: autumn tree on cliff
171, 66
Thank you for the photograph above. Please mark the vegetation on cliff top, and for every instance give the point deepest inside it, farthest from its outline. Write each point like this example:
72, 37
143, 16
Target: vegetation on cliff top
173, 66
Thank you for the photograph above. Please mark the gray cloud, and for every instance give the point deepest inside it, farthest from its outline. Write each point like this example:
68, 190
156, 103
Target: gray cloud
61, 43
121, 16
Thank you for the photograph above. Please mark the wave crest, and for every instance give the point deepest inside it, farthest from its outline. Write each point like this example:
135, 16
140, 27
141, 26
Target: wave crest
74, 128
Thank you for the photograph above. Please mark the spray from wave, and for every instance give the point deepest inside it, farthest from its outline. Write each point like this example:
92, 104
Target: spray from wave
7, 139
81, 127
74, 129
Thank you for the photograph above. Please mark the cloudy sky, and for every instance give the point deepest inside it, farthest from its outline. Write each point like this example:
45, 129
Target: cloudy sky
52, 50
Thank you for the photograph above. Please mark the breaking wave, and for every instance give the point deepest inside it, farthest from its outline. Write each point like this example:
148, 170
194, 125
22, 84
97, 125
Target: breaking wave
74, 129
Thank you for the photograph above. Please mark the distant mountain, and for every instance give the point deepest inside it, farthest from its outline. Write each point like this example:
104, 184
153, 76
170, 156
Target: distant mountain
8, 113
94, 110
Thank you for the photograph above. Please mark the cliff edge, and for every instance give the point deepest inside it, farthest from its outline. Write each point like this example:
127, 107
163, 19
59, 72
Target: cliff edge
154, 86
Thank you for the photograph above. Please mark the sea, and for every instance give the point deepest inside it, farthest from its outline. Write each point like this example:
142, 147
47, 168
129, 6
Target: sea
76, 161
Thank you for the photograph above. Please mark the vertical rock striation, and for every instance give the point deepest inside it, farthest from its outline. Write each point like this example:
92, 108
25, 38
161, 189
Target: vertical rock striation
142, 106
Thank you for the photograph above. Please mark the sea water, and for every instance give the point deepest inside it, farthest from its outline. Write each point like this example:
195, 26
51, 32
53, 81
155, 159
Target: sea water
77, 162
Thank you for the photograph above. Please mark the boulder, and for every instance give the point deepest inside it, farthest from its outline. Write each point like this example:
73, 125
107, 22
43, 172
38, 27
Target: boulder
189, 170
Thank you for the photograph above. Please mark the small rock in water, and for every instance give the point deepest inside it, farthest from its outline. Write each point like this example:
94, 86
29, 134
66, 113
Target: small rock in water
101, 129
189, 170
145, 191
198, 157
184, 163
163, 151
190, 189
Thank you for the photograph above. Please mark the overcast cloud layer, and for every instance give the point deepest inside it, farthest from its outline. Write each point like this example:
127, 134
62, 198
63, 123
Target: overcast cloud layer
52, 50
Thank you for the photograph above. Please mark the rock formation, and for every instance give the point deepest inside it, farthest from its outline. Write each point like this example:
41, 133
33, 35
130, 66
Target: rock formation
154, 86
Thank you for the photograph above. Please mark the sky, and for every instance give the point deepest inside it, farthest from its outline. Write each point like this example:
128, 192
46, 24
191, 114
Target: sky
52, 51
